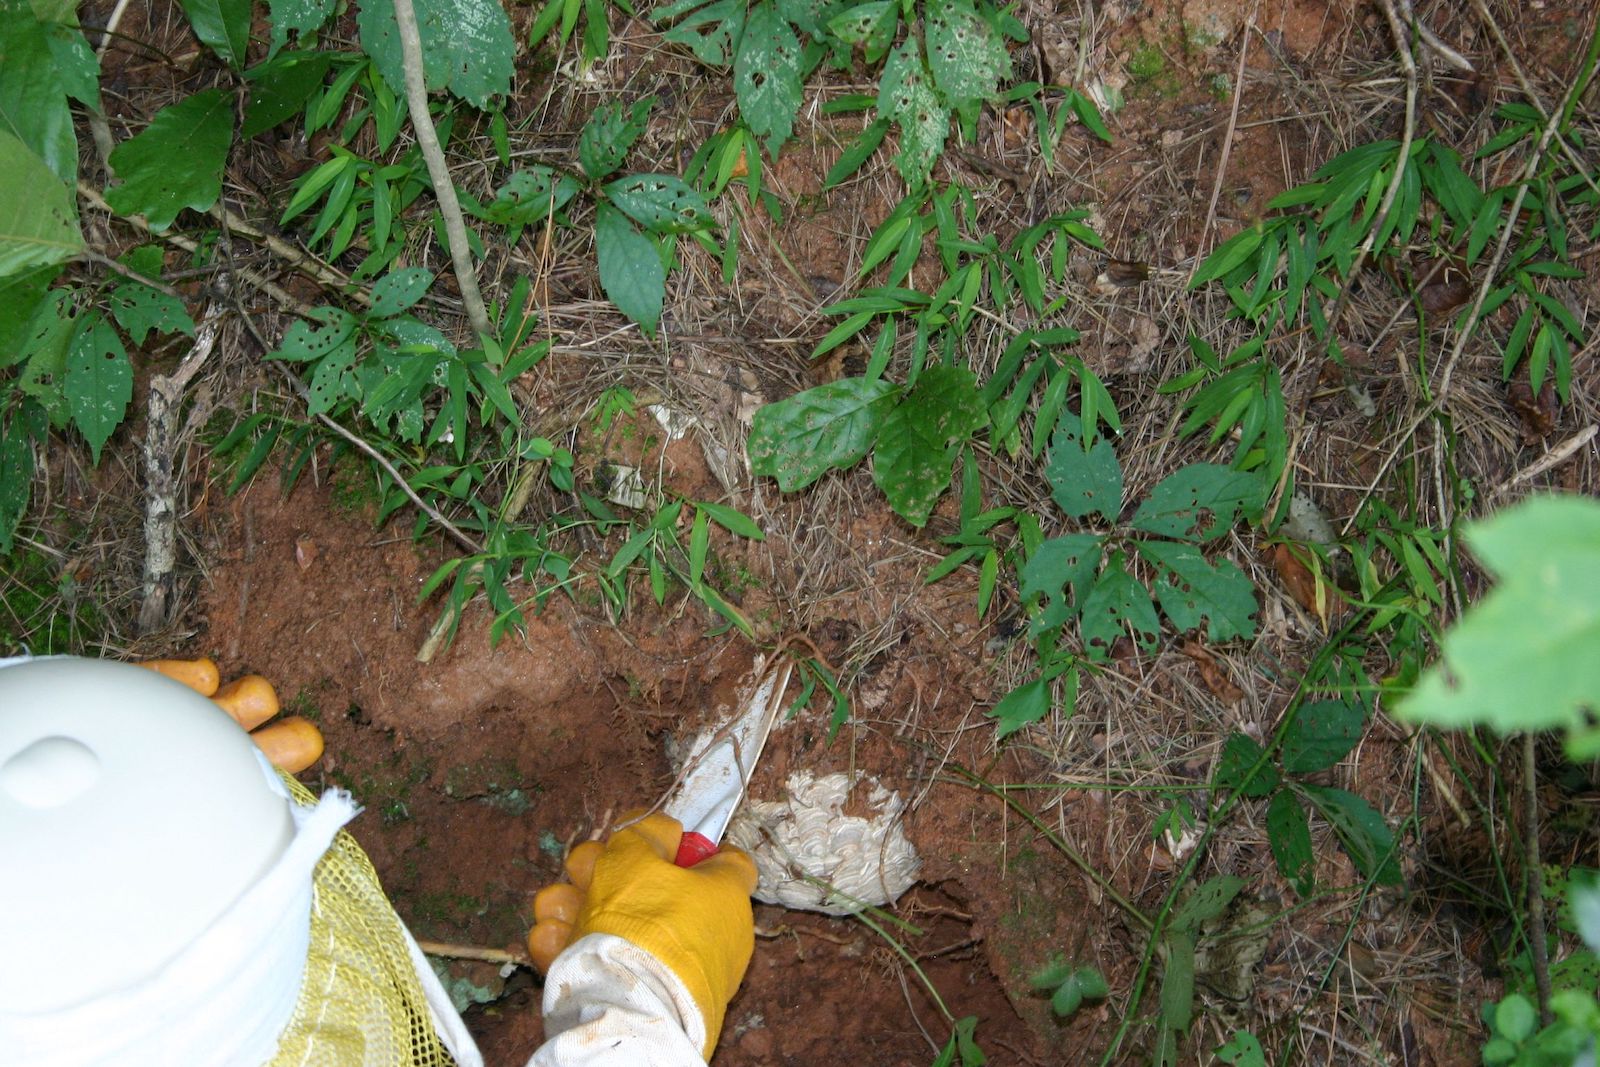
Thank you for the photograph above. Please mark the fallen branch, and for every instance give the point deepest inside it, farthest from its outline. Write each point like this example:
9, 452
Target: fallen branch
160, 500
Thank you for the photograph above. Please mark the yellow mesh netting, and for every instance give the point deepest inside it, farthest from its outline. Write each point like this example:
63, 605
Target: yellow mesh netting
361, 1002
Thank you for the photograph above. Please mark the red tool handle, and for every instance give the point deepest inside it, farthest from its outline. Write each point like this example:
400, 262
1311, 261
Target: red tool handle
693, 848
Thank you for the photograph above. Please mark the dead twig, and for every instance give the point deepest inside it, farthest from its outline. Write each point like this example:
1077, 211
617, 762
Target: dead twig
160, 504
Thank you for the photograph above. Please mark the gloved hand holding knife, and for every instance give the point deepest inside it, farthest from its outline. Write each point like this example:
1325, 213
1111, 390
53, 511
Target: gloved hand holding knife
647, 944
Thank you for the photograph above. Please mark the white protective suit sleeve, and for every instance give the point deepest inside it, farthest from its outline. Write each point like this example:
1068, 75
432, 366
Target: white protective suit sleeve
609, 1003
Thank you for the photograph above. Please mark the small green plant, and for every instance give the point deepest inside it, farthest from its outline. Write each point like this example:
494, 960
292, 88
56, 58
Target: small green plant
1314, 736
637, 219
948, 64
562, 17
962, 1048
1069, 985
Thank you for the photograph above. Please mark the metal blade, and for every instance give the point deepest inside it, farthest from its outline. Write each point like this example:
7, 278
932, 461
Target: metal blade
721, 762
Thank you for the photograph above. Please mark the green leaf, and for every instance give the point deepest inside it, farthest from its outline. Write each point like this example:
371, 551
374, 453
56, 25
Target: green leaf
1239, 753
1515, 1018
1523, 658
467, 46
1021, 707
99, 380
530, 196
34, 87
1063, 569
830, 426
1208, 901
605, 139
303, 341
709, 32
733, 520
767, 75
176, 162
1289, 834
1362, 831
1082, 482
1177, 993
920, 437
1322, 733
45, 343
660, 203
1115, 605
631, 271
1190, 590
16, 481
905, 97
1228, 255
398, 290
139, 309
280, 87
38, 220
301, 16
223, 26
20, 296
1243, 1050
1200, 502
967, 57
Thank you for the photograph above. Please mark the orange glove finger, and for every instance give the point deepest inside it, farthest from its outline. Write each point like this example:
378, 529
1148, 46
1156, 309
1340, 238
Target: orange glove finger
559, 902
661, 833
201, 675
580, 864
547, 940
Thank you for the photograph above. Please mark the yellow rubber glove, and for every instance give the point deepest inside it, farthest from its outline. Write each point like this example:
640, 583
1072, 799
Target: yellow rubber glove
696, 921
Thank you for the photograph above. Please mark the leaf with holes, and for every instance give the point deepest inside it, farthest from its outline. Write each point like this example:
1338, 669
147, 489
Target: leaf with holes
831, 426
1289, 834
176, 162
303, 341
140, 309
767, 75
99, 380
1322, 733
333, 380
1063, 570
1240, 752
467, 46
1362, 832
1115, 605
660, 203
605, 139
905, 96
920, 437
967, 57
38, 221
1201, 501
631, 271
530, 196
223, 26
302, 16
870, 25
1192, 591
16, 481
708, 32
1083, 483
398, 290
